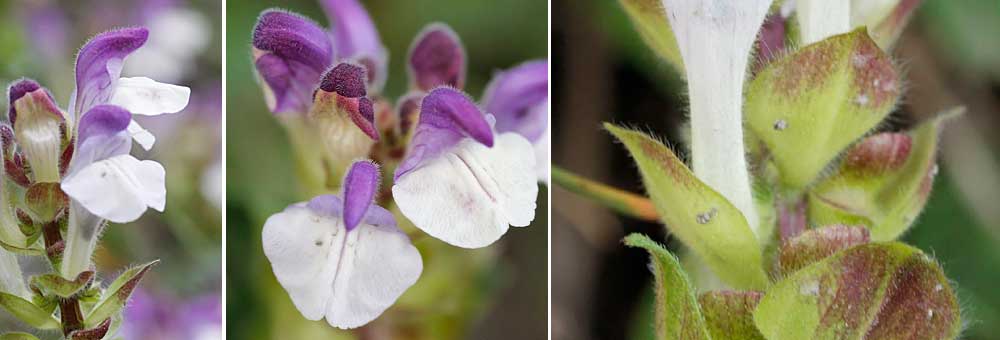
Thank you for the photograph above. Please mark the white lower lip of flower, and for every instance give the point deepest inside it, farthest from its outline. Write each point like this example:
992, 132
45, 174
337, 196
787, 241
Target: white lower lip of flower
819, 19
469, 196
349, 278
119, 188
715, 38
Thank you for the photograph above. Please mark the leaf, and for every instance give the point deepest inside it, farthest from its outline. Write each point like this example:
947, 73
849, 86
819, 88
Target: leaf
650, 19
96, 333
810, 105
55, 284
677, 313
27, 312
729, 314
883, 182
17, 336
872, 291
699, 216
117, 295
816, 244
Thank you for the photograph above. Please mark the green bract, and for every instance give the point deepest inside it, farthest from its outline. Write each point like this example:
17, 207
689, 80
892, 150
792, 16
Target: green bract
873, 291
678, 315
883, 183
58, 286
729, 314
808, 106
650, 20
698, 215
27, 312
116, 295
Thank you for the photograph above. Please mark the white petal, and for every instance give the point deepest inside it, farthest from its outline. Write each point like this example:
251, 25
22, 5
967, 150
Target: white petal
119, 188
144, 96
349, 278
303, 248
468, 196
378, 265
141, 135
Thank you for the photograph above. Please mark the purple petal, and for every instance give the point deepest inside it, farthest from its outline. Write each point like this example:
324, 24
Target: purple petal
345, 79
360, 187
436, 58
518, 97
293, 37
446, 117
15, 92
99, 64
103, 120
333, 206
356, 38
291, 53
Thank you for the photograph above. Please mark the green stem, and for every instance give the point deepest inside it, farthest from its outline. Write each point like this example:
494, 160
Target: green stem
69, 309
621, 201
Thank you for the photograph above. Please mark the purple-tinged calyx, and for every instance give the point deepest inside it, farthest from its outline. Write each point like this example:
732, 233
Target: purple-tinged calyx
291, 52
99, 65
38, 128
518, 97
436, 58
356, 38
446, 117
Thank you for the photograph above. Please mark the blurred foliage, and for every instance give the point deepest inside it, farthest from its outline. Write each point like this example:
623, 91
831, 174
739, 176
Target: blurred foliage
261, 181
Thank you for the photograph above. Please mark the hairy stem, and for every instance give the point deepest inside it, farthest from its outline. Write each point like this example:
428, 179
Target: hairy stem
623, 202
69, 309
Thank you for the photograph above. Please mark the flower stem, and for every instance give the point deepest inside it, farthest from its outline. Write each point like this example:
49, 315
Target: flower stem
69, 309
624, 202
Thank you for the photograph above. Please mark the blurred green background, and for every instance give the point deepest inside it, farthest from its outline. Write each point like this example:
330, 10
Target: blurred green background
602, 71
39, 40
260, 181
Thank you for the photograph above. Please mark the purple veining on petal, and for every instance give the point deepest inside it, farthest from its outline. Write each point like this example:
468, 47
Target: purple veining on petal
293, 37
446, 117
437, 58
99, 64
518, 99
355, 37
333, 206
345, 79
360, 187
103, 120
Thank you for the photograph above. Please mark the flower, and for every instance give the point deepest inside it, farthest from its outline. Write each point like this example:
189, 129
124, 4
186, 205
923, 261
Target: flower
461, 182
342, 257
436, 58
519, 100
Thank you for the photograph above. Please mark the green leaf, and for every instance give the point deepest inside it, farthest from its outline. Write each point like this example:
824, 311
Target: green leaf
699, 216
677, 313
650, 19
27, 312
883, 182
17, 336
56, 284
729, 314
810, 105
117, 295
817, 244
872, 291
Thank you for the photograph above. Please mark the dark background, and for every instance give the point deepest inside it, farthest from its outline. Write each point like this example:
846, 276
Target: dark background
602, 71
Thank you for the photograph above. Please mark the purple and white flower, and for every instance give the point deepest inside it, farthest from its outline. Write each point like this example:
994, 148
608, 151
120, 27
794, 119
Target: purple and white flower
341, 257
460, 181
519, 99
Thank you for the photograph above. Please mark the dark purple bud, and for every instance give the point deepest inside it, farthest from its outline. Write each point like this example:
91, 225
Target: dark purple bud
409, 111
437, 58
99, 63
347, 80
15, 92
7, 138
360, 188
293, 37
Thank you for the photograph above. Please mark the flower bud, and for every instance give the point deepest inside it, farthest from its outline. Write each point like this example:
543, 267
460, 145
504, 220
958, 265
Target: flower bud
37, 121
436, 58
344, 117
